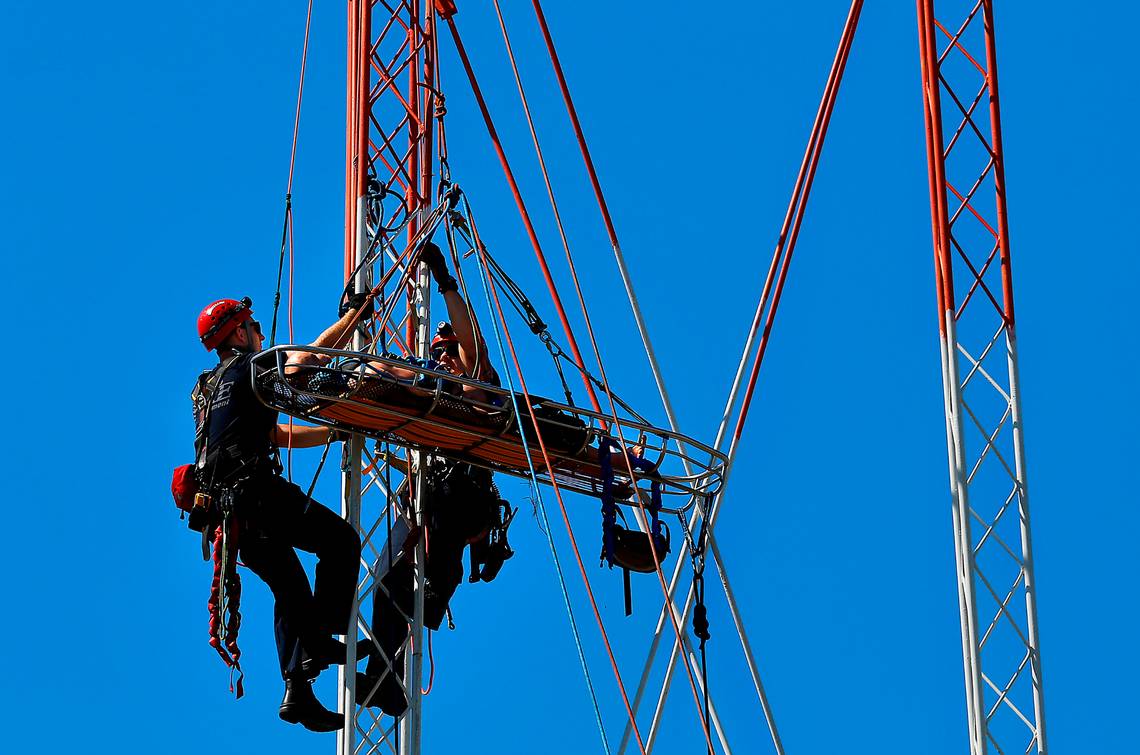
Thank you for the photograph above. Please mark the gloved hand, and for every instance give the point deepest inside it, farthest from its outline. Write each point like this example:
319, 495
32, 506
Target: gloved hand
431, 256
357, 301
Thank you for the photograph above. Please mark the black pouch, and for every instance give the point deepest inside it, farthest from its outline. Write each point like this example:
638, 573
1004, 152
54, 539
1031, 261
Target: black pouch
202, 512
461, 501
488, 554
562, 432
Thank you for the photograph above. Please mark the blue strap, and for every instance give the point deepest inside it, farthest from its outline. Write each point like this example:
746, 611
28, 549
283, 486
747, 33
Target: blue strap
609, 507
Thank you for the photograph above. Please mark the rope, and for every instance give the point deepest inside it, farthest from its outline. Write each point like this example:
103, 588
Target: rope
789, 233
287, 223
792, 220
623, 270
597, 352
431, 660
224, 602
541, 506
317, 474
701, 630
531, 233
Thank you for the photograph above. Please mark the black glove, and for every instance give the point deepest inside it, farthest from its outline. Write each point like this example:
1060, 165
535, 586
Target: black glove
431, 256
357, 301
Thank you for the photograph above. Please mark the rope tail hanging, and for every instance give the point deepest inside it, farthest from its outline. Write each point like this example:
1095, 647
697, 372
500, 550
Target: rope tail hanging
225, 601
287, 223
501, 334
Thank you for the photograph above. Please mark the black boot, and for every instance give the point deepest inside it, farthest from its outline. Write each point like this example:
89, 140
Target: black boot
385, 694
301, 706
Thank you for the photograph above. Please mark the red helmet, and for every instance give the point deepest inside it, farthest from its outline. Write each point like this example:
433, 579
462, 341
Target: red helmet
222, 318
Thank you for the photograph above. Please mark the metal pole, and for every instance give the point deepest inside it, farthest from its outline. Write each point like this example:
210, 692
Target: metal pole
1015, 386
775, 278
356, 242
386, 107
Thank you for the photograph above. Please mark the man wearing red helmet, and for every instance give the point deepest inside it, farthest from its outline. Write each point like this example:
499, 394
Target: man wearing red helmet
457, 346
238, 439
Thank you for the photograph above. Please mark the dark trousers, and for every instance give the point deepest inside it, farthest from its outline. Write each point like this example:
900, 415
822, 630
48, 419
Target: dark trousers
276, 517
392, 601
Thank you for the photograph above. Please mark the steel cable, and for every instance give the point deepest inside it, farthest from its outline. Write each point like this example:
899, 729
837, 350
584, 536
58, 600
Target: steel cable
546, 529
561, 505
597, 353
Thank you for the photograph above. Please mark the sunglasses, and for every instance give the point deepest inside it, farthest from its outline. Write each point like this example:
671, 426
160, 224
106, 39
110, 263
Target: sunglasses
451, 349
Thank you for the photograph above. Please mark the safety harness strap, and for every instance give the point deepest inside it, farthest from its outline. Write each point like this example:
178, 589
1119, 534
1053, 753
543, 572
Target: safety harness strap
225, 601
609, 506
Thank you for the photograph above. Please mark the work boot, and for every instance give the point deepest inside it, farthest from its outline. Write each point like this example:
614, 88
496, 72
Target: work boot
385, 694
301, 706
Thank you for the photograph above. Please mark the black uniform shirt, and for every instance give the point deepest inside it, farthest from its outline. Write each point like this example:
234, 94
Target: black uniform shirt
239, 425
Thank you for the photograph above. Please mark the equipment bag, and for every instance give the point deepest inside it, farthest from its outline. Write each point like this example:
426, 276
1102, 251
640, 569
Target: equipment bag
184, 486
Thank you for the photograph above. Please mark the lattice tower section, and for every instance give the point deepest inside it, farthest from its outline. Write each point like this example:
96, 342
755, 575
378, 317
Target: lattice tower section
390, 181
993, 551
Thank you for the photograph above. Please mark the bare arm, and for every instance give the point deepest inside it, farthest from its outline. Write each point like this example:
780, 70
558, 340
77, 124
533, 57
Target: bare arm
299, 436
471, 349
334, 337
339, 333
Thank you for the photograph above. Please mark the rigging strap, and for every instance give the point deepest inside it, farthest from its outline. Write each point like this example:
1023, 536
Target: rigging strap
701, 631
225, 600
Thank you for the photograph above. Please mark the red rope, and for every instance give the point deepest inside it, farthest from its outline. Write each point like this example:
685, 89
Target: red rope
558, 495
289, 207
781, 260
300, 93
609, 223
224, 604
431, 660
601, 363
571, 340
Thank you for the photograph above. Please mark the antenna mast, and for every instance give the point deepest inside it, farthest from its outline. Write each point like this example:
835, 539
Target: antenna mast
390, 187
984, 433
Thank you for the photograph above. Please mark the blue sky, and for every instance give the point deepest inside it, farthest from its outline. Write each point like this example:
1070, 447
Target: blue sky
147, 149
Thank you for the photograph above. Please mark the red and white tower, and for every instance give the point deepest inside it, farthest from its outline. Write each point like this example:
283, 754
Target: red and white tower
391, 176
984, 433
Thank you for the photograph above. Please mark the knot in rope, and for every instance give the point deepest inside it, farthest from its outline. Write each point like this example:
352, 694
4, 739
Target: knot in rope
700, 613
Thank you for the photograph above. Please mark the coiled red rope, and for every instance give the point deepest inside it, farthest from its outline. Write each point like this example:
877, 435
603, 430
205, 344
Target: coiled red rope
225, 601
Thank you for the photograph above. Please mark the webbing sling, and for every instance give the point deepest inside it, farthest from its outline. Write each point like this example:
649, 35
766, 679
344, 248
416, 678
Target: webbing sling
225, 601
610, 511
609, 506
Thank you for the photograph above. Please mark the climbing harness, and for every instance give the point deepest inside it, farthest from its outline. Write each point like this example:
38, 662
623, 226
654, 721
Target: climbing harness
489, 552
190, 490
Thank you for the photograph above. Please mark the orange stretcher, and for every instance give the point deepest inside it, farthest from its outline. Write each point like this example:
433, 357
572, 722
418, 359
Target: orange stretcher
356, 393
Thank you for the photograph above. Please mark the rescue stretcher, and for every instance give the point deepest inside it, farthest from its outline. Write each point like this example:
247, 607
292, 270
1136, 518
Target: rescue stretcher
356, 393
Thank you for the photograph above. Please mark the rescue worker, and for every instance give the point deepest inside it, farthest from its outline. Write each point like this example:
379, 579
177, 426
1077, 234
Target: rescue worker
274, 516
461, 505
